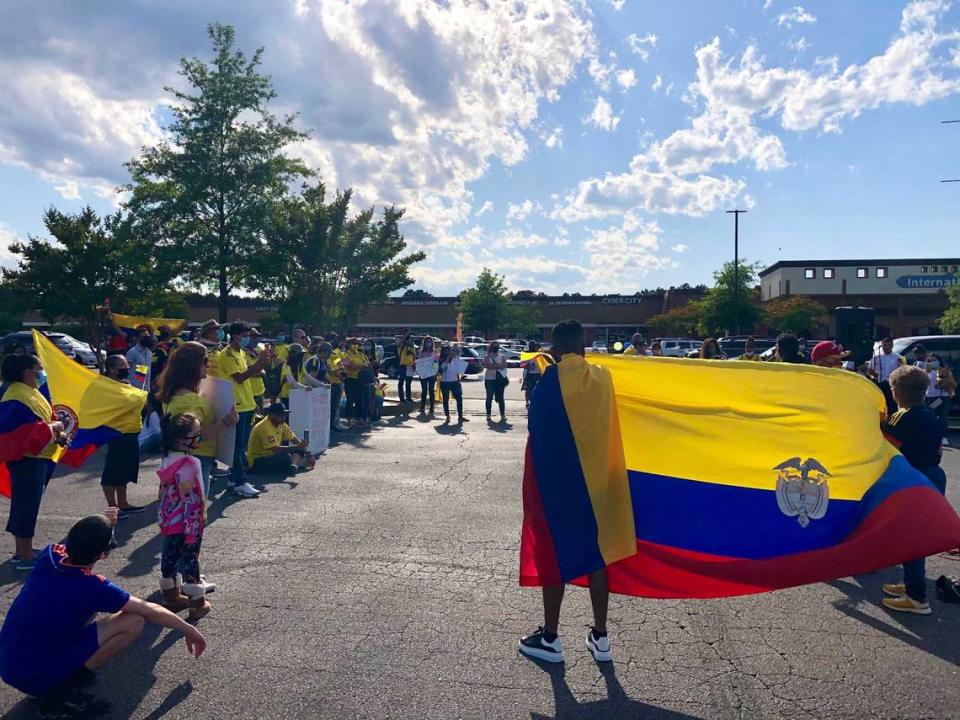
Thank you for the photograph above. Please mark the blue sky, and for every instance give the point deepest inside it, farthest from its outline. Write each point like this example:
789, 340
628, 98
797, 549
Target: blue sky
572, 146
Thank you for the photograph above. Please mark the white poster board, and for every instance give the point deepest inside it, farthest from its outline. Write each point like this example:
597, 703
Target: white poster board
427, 367
459, 366
219, 393
310, 417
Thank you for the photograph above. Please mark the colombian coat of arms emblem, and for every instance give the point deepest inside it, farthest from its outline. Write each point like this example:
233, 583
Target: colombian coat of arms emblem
802, 490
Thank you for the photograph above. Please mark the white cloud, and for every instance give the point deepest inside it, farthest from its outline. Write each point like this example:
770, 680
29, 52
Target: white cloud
484, 209
797, 15
512, 239
767, 4
657, 83
679, 248
602, 116
639, 44
634, 244
522, 210
618, 4
676, 175
798, 45
554, 139
7, 238
626, 79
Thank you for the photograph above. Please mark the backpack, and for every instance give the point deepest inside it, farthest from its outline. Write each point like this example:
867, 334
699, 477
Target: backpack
948, 589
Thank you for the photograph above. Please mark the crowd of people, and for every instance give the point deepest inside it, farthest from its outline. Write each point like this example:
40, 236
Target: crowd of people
182, 423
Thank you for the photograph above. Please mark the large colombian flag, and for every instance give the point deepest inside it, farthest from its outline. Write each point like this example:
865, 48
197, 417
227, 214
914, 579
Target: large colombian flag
739, 478
93, 408
24, 415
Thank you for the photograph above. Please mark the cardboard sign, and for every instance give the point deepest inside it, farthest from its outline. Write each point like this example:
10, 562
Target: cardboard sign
219, 393
427, 367
310, 417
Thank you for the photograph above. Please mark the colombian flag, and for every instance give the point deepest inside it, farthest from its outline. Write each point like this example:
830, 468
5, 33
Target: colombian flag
24, 414
132, 322
733, 477
93, 409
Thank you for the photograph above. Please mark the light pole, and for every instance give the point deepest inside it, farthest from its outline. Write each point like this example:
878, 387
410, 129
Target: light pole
736, 262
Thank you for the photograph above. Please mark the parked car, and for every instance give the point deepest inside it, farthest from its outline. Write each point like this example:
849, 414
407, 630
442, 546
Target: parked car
513, 357
473, 340
71, 347
734, 347
599, 346
679, 347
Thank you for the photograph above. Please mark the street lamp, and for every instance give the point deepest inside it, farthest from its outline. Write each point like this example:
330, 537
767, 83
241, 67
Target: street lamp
736, 261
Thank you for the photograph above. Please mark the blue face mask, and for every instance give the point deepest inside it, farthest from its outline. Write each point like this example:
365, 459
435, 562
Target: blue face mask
41, 378
245, 342
221, 335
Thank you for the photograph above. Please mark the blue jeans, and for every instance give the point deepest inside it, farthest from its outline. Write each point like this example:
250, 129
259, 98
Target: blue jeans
336, 390
238, 471
915, 571
206, 467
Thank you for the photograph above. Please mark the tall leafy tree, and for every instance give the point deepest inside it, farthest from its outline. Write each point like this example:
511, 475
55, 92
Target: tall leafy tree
207, 195
795, 314
325, 267
729, 305
486, 306
950, 322
86, 260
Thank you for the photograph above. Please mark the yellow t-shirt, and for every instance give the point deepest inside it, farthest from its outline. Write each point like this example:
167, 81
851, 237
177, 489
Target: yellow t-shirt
33, 399
285, 387
282, 351
200, 408
235, 361
256, 382
408, 358
265, 436
356, 358
630, 351
213, 363
334, 364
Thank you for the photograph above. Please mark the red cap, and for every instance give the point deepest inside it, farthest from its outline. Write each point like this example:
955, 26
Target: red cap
825, 349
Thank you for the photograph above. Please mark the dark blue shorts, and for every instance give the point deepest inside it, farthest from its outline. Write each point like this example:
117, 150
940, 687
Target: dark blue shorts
41, 674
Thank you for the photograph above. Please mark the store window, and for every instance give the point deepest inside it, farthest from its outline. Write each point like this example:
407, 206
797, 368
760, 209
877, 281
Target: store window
810, 274
881, 272
923, 269
828, 273
861, 273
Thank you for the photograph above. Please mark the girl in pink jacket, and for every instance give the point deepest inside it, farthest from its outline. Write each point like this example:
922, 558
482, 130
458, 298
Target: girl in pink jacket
181, 511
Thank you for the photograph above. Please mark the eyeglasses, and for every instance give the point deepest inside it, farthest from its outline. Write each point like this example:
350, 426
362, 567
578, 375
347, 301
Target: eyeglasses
191, 437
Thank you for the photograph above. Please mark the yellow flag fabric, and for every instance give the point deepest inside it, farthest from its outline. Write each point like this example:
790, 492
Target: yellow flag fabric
93, 409
130, 322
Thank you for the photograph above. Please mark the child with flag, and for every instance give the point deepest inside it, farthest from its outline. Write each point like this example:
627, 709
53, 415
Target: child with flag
28, 442
577, 512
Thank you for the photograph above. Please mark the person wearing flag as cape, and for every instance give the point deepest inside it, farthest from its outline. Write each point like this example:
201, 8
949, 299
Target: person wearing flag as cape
577, 511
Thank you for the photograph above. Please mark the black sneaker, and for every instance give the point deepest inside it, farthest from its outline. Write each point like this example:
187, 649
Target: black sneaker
536, 647
131, 510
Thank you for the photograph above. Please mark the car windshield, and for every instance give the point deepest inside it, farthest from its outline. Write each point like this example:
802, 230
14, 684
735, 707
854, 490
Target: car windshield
900, 346
468, 352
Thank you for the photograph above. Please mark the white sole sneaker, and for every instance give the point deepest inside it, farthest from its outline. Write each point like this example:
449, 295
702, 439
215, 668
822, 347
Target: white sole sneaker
545, 655
598, 654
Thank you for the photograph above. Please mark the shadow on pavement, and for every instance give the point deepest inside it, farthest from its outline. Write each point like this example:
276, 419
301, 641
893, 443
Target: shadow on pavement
617, 705
924, 632
500, 427
123, 683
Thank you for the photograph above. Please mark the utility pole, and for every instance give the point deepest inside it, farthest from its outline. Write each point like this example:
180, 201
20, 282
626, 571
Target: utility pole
736, 260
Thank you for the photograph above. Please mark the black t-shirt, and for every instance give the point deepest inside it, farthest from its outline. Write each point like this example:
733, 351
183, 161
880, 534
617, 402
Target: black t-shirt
917, 433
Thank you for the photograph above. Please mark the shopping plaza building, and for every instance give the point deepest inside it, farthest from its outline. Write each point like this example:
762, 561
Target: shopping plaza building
907, 296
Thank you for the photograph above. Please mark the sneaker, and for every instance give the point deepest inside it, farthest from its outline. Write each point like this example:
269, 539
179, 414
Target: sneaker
26, 565
599, 646
246, 490
895, 589
131, 510
907, 604
536, 647
208, 587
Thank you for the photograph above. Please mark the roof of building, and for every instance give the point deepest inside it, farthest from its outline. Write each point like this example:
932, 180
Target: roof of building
882, 262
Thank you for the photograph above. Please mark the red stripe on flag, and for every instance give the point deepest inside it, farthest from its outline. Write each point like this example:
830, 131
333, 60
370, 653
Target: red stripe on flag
538, 558
911, 523
5, 488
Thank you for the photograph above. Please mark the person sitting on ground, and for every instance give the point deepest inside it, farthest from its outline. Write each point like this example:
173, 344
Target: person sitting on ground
750, 350
50, 643
916, 432
274, 449
122, 464
181, 515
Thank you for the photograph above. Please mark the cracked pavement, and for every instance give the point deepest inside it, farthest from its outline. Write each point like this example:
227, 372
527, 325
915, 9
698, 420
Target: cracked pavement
383, 584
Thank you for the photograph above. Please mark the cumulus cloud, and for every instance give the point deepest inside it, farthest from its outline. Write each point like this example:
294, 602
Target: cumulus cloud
484, 209
618, 4
657, 83
797, 15
554, 138
640, 44
522, 210
626, 79
680, 248
676, 175
7, 238
602, 116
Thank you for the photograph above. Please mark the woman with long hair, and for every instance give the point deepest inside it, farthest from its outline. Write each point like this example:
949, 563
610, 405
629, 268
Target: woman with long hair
710, 350
407, 359
178, 391
495, 379
294, 374
450, 381
427, 383
354, 361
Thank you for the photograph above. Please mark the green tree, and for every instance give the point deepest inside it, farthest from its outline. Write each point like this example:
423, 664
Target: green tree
325, 267
795, 314
485, 306
87, 260
417, 294
950, 322
206, 197
521, 320
729, 305
680, 321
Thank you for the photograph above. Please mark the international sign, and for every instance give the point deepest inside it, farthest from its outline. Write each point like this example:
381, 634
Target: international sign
932, 282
